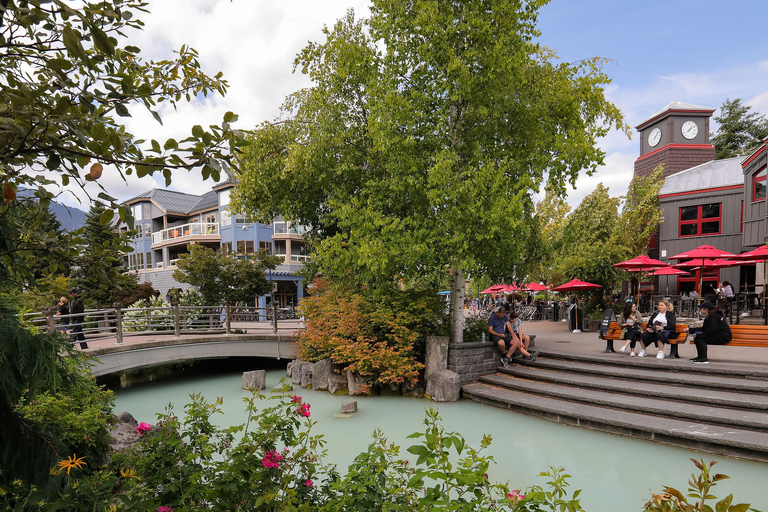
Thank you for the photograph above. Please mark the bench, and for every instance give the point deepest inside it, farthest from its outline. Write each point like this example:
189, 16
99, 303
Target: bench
748, 336
614, 333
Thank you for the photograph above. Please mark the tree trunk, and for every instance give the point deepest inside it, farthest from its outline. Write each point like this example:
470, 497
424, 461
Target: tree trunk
457, 305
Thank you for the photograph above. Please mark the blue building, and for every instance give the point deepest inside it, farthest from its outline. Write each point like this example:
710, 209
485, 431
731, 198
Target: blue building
166, 221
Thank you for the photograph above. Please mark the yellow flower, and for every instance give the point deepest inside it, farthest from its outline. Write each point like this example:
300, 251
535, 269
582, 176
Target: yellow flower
72, 462
111, 508
129, 473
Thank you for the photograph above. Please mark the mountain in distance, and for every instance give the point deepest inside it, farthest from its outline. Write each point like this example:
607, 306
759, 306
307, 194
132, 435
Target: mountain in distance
69, 217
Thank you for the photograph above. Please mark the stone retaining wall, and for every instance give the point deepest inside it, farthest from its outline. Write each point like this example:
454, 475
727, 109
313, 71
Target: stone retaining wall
471, 360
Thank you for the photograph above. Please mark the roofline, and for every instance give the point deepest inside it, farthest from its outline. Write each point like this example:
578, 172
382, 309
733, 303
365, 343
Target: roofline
702, 191
667, 112
754, 155
673, 145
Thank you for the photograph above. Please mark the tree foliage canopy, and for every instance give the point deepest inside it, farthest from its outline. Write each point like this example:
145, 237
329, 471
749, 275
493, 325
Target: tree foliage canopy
221, 278
68, 76
741, 131
424, 133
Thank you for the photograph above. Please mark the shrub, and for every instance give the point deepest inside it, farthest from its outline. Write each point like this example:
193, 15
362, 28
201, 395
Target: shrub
381, 337
137, 320
474, 328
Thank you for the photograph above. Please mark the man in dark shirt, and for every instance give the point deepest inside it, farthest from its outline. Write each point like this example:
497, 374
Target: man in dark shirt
77, 308
498, 324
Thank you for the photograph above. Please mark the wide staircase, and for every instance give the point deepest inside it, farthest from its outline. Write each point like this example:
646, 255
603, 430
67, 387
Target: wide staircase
716, 408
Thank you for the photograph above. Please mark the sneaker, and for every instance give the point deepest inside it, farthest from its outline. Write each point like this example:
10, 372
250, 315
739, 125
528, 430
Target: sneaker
505, 362
660, 355
701, 361
632, 354
533, 355
693, 359
623, 349
641, 353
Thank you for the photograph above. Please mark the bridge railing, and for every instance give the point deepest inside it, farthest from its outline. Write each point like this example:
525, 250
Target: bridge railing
119, 322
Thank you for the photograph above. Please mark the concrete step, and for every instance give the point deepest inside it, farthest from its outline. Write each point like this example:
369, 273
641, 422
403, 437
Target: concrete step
721, 440
705, 389
679, 366
652, 402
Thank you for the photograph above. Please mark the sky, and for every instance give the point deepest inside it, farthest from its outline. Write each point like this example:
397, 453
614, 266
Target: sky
701, 52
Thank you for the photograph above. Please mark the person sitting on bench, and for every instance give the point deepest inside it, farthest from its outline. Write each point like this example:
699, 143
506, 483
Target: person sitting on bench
661, 327
714, 331
630, 322
505, 339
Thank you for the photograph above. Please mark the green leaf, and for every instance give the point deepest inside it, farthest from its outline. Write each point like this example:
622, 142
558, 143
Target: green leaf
106, 217
170, 144
101, 41
59, 64
197, 131
122, 110
418, 450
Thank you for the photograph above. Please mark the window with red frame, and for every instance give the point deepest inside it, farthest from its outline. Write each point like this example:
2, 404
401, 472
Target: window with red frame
700, 220
758, 184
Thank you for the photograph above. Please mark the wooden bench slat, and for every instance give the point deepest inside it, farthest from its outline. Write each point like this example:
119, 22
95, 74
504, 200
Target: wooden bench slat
614, 332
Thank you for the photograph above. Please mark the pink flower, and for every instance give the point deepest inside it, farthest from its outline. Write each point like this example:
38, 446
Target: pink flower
142, 429
515, 495
308, 483
164, 509
271, 459
303, 410
295, 399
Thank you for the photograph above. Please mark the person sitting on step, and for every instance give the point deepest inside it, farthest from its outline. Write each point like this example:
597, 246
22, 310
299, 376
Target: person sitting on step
661, 327
505, 339
515, 326
630, 322
714, 331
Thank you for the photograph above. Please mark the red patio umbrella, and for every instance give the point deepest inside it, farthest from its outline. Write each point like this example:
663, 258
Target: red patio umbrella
535, 287
494, 289
640, 263
698, 257
668, 271
575, 286
759, 254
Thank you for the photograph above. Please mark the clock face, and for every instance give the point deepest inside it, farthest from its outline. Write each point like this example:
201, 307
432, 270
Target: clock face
690, 130
654, 137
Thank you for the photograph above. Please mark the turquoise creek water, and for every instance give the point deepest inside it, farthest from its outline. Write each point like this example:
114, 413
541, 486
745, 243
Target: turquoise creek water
616, 473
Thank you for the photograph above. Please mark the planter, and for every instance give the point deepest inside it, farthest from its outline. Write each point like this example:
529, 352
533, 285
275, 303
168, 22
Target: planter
591, 325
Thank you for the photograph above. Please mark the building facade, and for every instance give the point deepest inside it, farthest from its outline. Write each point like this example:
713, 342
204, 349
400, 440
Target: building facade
166, 222
704, 201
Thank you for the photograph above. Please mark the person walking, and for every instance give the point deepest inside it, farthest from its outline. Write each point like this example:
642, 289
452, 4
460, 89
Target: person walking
77, 309
714, 331
64, 313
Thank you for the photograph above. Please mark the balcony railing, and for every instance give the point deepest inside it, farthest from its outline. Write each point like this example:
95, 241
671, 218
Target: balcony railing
194, 229
295, 258
286, 228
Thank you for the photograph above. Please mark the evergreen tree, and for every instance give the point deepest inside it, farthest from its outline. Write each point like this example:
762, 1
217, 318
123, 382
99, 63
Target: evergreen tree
100, 274
741, 131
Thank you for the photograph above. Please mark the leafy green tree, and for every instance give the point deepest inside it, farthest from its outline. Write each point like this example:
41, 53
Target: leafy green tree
741, 131
418, 145
69, 74
101, 275
221, 278
588, 246
641, 214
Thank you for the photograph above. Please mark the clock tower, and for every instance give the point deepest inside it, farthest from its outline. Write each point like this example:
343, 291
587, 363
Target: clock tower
676, 136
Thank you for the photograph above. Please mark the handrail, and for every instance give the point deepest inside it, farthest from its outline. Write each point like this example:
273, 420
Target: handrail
119, 322
186, 231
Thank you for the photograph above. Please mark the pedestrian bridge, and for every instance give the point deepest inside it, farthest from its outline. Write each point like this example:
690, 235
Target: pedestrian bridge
110, 357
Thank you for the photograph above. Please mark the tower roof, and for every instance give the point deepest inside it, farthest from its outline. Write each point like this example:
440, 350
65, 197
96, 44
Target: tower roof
676, 106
